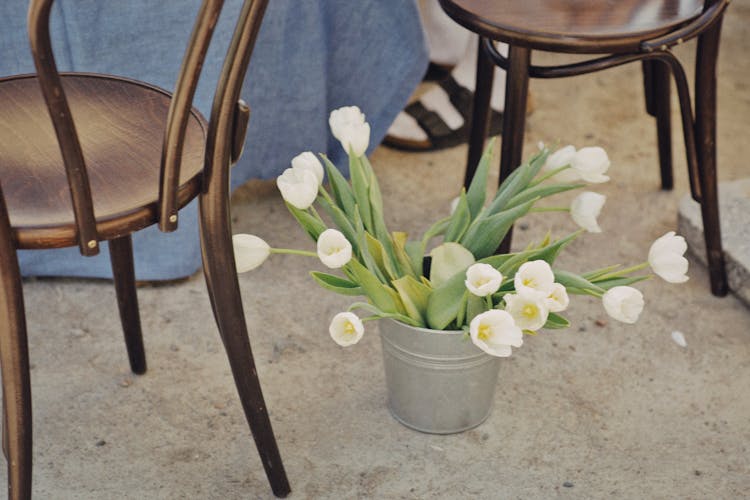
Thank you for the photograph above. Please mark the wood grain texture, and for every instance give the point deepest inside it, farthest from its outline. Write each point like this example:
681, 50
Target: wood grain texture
86, 157
590, 26
121, 125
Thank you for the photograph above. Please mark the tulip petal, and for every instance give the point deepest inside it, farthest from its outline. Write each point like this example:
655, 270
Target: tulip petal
250, 251
346, 329
666, 258
623, 303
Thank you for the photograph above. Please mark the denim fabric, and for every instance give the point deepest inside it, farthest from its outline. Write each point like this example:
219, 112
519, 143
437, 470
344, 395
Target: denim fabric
311, 57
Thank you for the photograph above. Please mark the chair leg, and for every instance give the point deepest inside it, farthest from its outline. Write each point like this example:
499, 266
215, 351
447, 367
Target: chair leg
660, 102
123, 272
223, 288
5, 427
480, 113
14, 364
705, 133
648, 86
514, 118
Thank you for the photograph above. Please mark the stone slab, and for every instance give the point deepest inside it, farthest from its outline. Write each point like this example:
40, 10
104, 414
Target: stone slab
734, 207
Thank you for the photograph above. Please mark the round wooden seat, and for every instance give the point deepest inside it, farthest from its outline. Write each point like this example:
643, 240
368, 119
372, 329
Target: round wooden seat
121, 125
590, 26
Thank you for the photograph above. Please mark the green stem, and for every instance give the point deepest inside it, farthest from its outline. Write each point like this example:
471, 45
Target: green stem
315, 214
324, 194
292, 251
550, 209
488, 300
622, 272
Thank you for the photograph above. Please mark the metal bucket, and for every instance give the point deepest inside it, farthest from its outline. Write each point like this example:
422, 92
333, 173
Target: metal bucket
437, 381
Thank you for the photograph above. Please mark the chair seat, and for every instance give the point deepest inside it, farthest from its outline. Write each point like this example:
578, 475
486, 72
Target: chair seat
577, 26
121, 125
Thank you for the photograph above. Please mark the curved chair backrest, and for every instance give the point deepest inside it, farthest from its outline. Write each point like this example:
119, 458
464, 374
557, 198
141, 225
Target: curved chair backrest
224, 116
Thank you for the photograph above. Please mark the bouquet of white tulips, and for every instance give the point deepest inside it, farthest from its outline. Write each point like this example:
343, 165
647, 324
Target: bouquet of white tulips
494, 298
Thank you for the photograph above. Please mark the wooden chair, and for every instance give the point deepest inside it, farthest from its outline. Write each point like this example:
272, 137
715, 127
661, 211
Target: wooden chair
615, 33
117, 156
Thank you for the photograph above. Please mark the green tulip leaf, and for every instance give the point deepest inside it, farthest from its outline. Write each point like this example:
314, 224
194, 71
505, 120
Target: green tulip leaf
447, 260
415, 251
555, 321
460, 219
485, 234
445, 302
337, 284
624, 281
549, 253
572, 280
342, 192
361, 190
598, 273
402, 256
474, 306
477, 192
382, 314
541, 191
382, 259
311, 224
415, 296
518, 180
374, 289
342, 222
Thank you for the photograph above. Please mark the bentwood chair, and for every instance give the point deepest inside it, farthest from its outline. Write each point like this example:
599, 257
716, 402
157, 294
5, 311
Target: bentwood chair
613, 33
86, 158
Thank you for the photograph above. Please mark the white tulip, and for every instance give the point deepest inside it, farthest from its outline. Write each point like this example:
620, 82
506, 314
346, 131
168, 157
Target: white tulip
558, 299
298, 187
308, 161
342, 118
560, 158
495, 333
591, 163
666, 258
348, 125
585, 208
249, 251
534, 276
346, 329
334, 249
529, 309
623, 303
483, 279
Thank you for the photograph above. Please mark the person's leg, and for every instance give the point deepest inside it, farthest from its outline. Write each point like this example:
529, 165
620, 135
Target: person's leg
439, 117
446, 40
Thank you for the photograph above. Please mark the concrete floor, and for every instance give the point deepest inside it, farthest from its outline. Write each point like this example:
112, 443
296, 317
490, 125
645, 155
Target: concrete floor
600, 410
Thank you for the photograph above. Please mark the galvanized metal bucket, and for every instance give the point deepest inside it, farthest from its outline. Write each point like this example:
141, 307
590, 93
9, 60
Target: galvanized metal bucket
438, 381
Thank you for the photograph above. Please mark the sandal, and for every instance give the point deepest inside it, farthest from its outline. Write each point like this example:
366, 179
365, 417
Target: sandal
436, 72
439, 134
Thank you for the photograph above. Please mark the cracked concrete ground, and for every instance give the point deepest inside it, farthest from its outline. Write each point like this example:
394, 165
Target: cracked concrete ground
600, 410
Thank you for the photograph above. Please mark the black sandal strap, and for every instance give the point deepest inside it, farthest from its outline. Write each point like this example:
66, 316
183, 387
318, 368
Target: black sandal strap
437, 72
461, 97
463, 100
431, 122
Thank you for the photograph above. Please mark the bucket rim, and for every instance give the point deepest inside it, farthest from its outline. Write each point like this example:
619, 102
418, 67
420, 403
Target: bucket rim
422, 329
